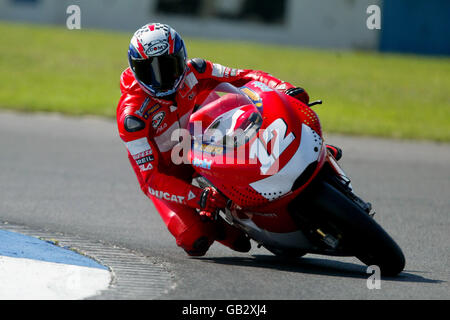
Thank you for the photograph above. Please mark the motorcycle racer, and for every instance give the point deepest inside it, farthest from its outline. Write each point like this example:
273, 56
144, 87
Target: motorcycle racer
159, 91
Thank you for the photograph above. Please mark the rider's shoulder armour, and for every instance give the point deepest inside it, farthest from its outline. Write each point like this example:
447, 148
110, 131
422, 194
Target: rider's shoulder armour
198, 64
133, 124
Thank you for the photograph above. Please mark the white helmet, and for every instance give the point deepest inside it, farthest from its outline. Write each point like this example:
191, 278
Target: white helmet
157, 56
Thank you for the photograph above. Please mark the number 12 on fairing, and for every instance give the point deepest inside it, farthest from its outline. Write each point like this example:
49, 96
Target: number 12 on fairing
280, 143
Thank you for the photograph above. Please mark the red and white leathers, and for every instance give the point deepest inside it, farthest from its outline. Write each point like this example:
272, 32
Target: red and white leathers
145, 125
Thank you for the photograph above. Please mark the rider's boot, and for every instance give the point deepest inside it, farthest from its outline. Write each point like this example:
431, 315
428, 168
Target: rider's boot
232, 237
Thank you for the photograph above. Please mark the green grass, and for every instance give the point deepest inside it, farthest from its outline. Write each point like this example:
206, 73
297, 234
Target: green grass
77, 72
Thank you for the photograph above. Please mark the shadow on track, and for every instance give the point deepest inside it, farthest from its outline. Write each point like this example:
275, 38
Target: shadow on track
317, 266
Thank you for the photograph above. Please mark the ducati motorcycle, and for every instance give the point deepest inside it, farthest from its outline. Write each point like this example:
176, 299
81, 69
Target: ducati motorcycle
265, 151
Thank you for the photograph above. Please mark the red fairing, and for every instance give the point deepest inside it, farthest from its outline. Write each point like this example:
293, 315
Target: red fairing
264, 171
146, 124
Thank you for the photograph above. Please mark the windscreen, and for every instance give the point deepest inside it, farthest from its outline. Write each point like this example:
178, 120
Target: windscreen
236, 126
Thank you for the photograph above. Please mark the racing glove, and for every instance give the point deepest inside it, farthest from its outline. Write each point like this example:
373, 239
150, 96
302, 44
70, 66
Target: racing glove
299, 94
210, 201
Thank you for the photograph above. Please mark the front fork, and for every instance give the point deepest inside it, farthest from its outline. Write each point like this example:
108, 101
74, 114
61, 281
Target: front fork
342, 182
321, 231
338, 171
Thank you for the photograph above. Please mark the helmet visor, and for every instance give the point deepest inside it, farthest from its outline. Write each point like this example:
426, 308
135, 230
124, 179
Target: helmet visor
160, 72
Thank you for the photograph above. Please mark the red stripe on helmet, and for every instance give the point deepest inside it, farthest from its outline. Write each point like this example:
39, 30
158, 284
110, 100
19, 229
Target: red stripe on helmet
171, 44
141, 49
151, 27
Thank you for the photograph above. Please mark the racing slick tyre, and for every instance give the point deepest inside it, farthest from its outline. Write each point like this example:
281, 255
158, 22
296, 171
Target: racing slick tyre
357, 232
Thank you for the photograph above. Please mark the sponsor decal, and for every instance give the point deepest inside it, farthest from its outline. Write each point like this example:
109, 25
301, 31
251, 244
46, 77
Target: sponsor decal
153, 109
146, 167
256, 99
191, 195
202, 163
143, 154
144, 111
145, 160
156, 47
157, 119
162, 127
208, 148
166, 195
263, 87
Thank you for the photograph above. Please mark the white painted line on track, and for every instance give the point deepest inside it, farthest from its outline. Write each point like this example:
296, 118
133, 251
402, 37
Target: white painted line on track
34, 269
132, 274
29, 279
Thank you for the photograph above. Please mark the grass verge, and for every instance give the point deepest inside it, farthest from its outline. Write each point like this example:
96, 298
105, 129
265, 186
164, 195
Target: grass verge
76, 72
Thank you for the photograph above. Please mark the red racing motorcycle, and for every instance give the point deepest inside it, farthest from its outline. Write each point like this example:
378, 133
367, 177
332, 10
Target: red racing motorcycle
265, 152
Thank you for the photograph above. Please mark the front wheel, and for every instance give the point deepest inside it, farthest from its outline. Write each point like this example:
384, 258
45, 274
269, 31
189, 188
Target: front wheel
324, 206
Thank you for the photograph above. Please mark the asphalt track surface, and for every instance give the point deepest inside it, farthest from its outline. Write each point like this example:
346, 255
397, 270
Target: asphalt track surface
72, 176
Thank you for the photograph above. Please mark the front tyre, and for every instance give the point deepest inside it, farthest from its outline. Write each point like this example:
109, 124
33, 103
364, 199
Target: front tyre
358, 232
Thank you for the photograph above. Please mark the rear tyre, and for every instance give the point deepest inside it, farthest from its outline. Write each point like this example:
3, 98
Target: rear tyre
359, 233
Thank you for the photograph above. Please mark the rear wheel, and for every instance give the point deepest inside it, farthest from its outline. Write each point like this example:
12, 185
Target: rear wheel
330, 212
